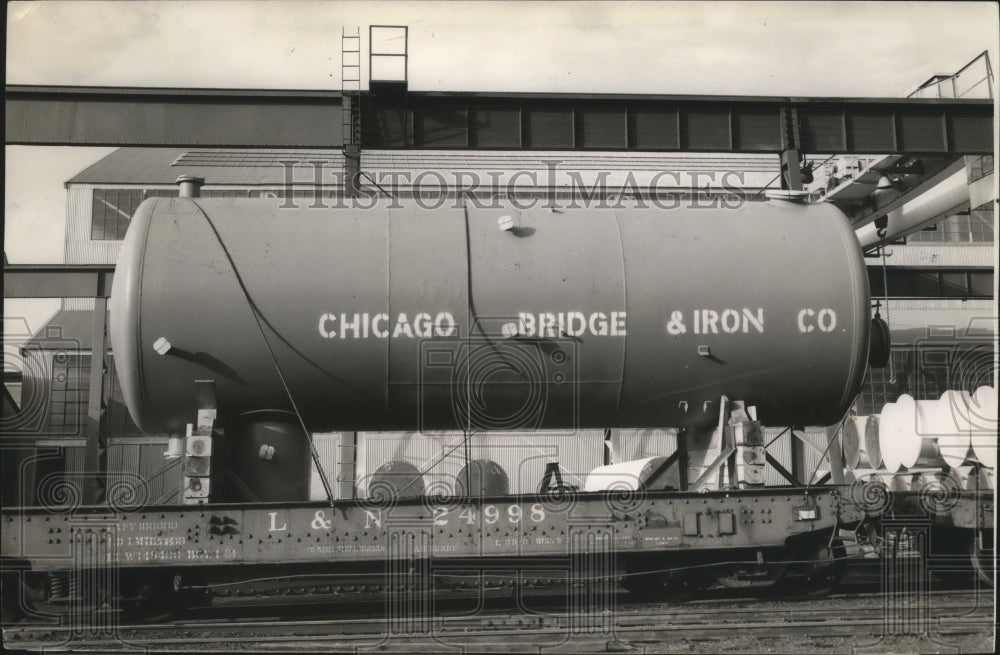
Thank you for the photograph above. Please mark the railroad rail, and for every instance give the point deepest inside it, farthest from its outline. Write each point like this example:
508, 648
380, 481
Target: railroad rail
934, 614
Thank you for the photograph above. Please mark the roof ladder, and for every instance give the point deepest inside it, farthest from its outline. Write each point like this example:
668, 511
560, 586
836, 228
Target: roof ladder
350, 87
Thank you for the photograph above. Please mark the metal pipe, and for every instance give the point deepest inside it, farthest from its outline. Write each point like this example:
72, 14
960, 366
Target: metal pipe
189, 185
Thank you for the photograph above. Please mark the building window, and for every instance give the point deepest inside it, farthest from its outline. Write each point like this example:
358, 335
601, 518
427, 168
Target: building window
927, 369
113, 210
71, 395
979, 167
70, 389
930, 282
975, 226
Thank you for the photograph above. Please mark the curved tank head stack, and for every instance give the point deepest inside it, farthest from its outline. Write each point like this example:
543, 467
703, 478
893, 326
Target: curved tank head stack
949, 442
398, 317
983, 425
855, 446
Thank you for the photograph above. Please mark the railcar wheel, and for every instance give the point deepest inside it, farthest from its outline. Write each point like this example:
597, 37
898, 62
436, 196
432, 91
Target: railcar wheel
664, 586
981, 553
11, 596
21, 592
969, 557
825, 569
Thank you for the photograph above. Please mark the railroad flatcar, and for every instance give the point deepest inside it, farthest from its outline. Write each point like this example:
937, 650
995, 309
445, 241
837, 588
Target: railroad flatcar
243, 327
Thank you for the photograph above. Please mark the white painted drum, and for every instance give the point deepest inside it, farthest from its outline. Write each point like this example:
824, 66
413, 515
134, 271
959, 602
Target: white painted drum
872, 450
983, 425
854, 440
623, 476
950, 424
890, 431
920, 444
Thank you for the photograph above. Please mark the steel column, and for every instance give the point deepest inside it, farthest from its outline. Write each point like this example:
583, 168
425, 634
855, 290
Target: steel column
798, 457
791, 174
836, 454
682, 460
96, 453
352, 144
348, 461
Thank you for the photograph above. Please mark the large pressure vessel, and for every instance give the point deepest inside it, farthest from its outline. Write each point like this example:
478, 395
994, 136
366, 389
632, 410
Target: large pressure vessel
399, 317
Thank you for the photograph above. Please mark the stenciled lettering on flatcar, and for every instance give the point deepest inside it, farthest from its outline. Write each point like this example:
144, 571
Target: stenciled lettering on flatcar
274, 523
491, 514
320, 522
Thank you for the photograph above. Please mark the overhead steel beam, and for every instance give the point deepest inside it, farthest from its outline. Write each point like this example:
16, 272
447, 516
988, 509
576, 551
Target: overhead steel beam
678, 123
57, 281
276, 118
95, 455
171, 117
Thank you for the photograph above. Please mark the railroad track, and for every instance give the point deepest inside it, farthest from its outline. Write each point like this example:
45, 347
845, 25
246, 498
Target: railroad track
941, 614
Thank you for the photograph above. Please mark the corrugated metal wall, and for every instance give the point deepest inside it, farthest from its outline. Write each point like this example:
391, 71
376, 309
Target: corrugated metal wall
75, 458
638, 444
781, 450
814, 456
523, 456
79, 248
161, 478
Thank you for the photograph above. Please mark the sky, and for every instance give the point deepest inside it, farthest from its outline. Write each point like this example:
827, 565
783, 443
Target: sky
842, 49
745, 48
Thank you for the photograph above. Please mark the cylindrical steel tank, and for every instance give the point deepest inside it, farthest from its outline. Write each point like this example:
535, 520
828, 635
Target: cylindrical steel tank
268, 460
983, 425
635, 317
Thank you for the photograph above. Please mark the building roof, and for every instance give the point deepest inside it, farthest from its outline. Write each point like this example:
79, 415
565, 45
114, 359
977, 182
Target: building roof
270, 167
69, 330
159, 166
